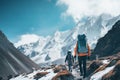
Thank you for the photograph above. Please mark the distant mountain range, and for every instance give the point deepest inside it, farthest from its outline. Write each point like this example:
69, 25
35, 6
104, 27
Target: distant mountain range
56, 46
12, 61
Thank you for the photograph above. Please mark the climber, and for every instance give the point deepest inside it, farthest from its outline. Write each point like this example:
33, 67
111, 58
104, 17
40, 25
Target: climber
82, 50
70, 60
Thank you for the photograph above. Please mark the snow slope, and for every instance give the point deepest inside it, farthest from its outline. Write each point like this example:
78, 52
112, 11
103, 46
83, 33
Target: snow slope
100, 74
57, 45
30, 76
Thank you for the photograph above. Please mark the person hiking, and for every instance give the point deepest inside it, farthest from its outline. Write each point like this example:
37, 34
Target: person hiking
70, 60
82, 50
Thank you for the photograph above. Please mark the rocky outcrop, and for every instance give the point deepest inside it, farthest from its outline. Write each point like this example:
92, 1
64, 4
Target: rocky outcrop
12, 61
110, 43
59, 68
97, 67
47, 58
114, 74
40, 74
63, 75
93, 66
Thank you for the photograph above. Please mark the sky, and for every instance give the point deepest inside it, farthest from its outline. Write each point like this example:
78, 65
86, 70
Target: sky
45, 17
41, 17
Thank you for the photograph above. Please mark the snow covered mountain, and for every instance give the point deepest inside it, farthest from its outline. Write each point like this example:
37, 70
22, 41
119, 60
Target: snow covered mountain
31, 44
53, 47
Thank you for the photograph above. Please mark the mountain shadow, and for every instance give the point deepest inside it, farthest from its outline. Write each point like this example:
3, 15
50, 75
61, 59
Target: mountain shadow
12, 61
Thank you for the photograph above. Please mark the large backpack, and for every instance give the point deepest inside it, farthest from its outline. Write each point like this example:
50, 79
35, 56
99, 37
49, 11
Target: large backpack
82, 44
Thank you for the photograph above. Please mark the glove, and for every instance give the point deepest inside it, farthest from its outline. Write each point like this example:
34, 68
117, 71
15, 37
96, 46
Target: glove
88, 57
74, 57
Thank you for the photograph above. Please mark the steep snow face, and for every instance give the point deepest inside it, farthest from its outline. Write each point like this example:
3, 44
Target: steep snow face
57, 45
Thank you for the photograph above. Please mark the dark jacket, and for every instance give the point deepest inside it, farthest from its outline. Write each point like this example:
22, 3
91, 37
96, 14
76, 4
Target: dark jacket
70, 59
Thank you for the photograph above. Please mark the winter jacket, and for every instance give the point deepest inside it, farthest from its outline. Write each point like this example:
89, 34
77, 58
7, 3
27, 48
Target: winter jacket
69, 59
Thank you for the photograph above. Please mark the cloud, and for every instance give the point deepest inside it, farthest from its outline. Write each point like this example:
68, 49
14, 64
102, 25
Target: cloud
26, 39
80, 8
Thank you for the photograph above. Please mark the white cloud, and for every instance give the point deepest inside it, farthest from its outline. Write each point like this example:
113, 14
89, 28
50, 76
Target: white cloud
80, 8
26, 39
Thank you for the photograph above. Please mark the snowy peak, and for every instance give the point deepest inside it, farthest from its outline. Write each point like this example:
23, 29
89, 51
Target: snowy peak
57, 45
31, 44
27, 39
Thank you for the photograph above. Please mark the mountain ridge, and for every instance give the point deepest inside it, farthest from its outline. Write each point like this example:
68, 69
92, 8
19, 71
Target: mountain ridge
61, 42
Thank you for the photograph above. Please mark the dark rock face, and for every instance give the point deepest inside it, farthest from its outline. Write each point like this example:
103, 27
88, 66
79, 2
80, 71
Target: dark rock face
110, 43
12, 61
93, 66
47, 58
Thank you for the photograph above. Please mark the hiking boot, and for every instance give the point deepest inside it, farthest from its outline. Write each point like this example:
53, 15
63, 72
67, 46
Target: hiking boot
84, 76
81, 74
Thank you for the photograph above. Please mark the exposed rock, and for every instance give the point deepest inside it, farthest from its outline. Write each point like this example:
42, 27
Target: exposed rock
117, 56
59, 68
1, 78
9, 77
114, 74
102, 67
39, 75
47, 58
114, 62
93, 66
53, 65
110, 43
63, 75
12, 61
45, 68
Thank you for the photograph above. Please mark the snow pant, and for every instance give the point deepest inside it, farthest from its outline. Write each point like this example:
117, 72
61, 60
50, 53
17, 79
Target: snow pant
70, 67
82, 64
